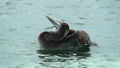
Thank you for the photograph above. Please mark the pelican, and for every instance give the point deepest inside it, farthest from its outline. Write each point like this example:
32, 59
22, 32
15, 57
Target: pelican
63, 38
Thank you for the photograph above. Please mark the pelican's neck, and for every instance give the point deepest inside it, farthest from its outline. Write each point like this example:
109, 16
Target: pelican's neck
61, 33
64, 30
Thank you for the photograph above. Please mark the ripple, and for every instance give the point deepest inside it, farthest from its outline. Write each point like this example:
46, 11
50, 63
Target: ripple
116, 0
111, 59
1, 43
12, 29
28, 3
28, 27
59, 6
62, 57
108, 19
82, 18
111, 12
2, 39
8, 3
101, 66
78, 23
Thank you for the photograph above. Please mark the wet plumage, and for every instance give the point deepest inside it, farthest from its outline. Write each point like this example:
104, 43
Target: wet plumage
63, 38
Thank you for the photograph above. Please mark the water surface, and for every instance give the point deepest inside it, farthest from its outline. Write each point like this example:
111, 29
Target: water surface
21, 21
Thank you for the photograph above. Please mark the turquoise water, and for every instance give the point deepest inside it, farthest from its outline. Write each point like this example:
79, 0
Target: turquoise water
21, 21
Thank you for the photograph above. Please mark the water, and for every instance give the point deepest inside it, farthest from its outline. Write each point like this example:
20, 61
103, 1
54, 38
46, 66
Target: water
21, 21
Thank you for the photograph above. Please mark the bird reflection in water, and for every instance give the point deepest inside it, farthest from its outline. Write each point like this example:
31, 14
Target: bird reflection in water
63, 57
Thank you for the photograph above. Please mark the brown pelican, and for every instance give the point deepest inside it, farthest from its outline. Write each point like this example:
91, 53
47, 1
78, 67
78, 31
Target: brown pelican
63, 38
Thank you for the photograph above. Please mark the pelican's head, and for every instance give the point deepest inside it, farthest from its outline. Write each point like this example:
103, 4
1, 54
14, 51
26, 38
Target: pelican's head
62, 29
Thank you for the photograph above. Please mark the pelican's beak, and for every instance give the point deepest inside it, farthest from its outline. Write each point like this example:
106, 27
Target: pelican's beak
56, 23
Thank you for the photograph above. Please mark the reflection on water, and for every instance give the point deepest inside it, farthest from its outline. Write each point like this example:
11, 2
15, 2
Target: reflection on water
63, 57
21, 21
